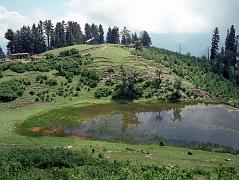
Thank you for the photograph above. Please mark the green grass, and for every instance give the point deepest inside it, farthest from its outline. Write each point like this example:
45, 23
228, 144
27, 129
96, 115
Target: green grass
160, 155
109, 56
78, 47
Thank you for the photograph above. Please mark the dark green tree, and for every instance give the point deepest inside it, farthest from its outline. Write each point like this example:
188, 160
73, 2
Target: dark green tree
95, 32
109, 36
230, 46
115, 35
49, 28
101, 34
134, 38
123, 40
127, 88
9, 35
88, 34
60, 38
2, 54
215, 42
126, 37
70, 39
145, 39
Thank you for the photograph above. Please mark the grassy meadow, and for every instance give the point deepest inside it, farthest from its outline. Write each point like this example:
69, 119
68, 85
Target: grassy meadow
109, 56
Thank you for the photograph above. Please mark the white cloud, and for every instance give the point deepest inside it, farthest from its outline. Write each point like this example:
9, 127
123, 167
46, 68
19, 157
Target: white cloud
157, 16
10, 19
14, 20
39, 14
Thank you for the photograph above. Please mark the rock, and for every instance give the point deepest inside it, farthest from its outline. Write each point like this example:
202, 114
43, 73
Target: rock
228, 160
172, 166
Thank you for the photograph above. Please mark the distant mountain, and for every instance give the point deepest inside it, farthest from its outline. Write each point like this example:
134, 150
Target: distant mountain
193, 43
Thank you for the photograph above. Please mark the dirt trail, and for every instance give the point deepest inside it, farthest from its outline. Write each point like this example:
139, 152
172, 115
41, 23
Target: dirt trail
93, 49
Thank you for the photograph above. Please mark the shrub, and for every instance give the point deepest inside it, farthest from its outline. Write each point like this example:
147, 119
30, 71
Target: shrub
102, 92
51, 82
50, 56
61, 163
69, 52
10, 90
1, 74
32, 92
27, 83
18, 67
41, 78
128, 87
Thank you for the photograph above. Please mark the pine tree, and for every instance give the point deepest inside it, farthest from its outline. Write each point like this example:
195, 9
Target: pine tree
26, 40
230, 46
109, 36
60, 39
134, 38
9, 35
145, 39
115, 35
101, 34
77, 33
215, 42
95, 32
70, 38
123, 41
88, 34
48, 27
126, 38
2, 55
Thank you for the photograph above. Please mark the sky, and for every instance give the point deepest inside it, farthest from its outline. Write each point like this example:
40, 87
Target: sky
188, 17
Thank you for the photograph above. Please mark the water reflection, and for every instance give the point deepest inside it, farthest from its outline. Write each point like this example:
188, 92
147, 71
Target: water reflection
144, 123
178, 124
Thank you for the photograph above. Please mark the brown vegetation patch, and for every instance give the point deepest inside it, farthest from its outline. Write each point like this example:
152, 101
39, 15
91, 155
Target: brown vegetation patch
53, 131
1, 126
35, 129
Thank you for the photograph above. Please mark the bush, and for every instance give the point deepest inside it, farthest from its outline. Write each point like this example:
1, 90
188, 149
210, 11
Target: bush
27, 83
51, 82
32, 92
50, 56
18, 67
102, 92
69, 52
61, 163
128, 87
41, 78
1, 74
10, 90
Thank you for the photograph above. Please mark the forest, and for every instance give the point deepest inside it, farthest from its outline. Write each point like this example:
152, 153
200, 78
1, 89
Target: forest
45, 36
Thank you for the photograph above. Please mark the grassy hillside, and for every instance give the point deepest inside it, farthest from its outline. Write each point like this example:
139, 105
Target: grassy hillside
60, 80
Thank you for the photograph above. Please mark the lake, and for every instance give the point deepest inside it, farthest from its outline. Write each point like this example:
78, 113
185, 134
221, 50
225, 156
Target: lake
174, 124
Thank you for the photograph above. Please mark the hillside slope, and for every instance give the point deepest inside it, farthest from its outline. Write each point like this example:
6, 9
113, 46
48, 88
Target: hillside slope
196, 81
66, 78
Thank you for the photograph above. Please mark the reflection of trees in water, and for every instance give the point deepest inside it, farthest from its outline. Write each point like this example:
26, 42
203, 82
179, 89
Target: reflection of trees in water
158, 117
129, 118
177, 114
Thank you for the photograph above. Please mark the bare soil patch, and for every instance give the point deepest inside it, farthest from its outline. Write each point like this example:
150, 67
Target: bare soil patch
53, 131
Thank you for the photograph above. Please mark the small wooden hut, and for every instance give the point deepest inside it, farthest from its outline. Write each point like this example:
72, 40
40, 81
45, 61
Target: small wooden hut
20, 56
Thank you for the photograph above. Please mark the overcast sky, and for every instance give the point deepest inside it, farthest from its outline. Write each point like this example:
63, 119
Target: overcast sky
155, 16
